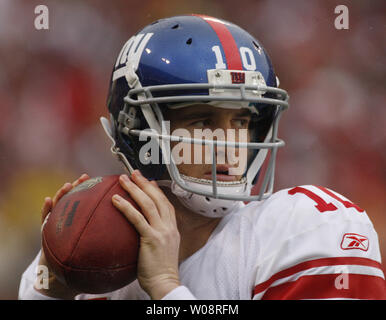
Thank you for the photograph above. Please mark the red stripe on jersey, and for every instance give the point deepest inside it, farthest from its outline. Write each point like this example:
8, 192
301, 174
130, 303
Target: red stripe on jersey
322, 286
347, 204
313, 264
231, 51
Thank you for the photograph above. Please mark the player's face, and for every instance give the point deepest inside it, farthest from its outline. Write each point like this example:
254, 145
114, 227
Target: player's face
203, 121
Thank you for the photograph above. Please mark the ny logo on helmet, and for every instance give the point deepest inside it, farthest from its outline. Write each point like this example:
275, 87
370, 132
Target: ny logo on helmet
130, 53
238, 77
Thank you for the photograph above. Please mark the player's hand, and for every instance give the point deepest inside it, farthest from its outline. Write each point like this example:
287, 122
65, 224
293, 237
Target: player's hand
159, 236
55, 288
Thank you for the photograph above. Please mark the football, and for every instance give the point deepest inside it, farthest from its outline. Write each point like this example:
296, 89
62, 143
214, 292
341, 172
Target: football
89, 245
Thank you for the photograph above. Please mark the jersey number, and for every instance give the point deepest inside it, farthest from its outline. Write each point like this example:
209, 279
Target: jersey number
321, 204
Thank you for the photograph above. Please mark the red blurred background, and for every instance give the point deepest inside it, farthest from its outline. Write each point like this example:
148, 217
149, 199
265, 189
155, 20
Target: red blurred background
53, 87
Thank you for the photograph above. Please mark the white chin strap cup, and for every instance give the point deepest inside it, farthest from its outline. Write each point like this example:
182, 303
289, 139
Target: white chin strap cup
205, 206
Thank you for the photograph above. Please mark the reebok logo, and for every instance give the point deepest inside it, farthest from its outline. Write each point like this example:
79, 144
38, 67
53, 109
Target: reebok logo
354, 241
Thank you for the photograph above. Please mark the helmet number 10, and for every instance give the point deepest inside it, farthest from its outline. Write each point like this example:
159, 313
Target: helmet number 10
246, 54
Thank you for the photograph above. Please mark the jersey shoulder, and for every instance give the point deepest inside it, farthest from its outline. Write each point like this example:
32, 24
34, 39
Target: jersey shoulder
312, 219
302, 235
305, 207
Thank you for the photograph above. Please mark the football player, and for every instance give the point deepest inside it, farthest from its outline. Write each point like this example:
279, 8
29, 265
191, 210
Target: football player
211, 226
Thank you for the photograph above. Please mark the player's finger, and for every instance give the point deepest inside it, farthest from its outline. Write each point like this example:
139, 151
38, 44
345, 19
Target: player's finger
172, 214
60, 193
149, 209
81, 179
154, 183
67, 187
132, 214
47, 205
165, 208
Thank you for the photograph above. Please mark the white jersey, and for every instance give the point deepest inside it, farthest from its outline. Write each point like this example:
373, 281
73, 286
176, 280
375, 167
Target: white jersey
301, 243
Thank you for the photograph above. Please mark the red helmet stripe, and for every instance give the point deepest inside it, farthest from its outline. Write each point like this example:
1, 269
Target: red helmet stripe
232, 54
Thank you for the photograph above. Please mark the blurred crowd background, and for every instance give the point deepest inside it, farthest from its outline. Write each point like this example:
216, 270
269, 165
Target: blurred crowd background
53, 87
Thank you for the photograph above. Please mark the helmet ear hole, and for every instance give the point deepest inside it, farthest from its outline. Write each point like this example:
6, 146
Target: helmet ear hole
175, 26
189, 41
207, 199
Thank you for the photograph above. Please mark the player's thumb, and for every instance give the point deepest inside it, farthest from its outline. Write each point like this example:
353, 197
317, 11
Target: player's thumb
47, 206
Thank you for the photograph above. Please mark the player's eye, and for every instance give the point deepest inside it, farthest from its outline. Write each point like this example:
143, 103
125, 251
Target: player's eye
241, 123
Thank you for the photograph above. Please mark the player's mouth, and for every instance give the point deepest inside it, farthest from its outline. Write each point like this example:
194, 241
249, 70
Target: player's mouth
222, 174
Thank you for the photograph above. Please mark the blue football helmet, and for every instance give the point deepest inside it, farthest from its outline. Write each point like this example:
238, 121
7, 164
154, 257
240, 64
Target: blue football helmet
182, 61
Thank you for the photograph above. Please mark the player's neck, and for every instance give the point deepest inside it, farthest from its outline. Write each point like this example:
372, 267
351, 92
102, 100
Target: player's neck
194, 228
195, 231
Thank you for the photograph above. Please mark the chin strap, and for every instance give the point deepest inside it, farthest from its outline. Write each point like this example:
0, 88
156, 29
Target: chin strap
203, 205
